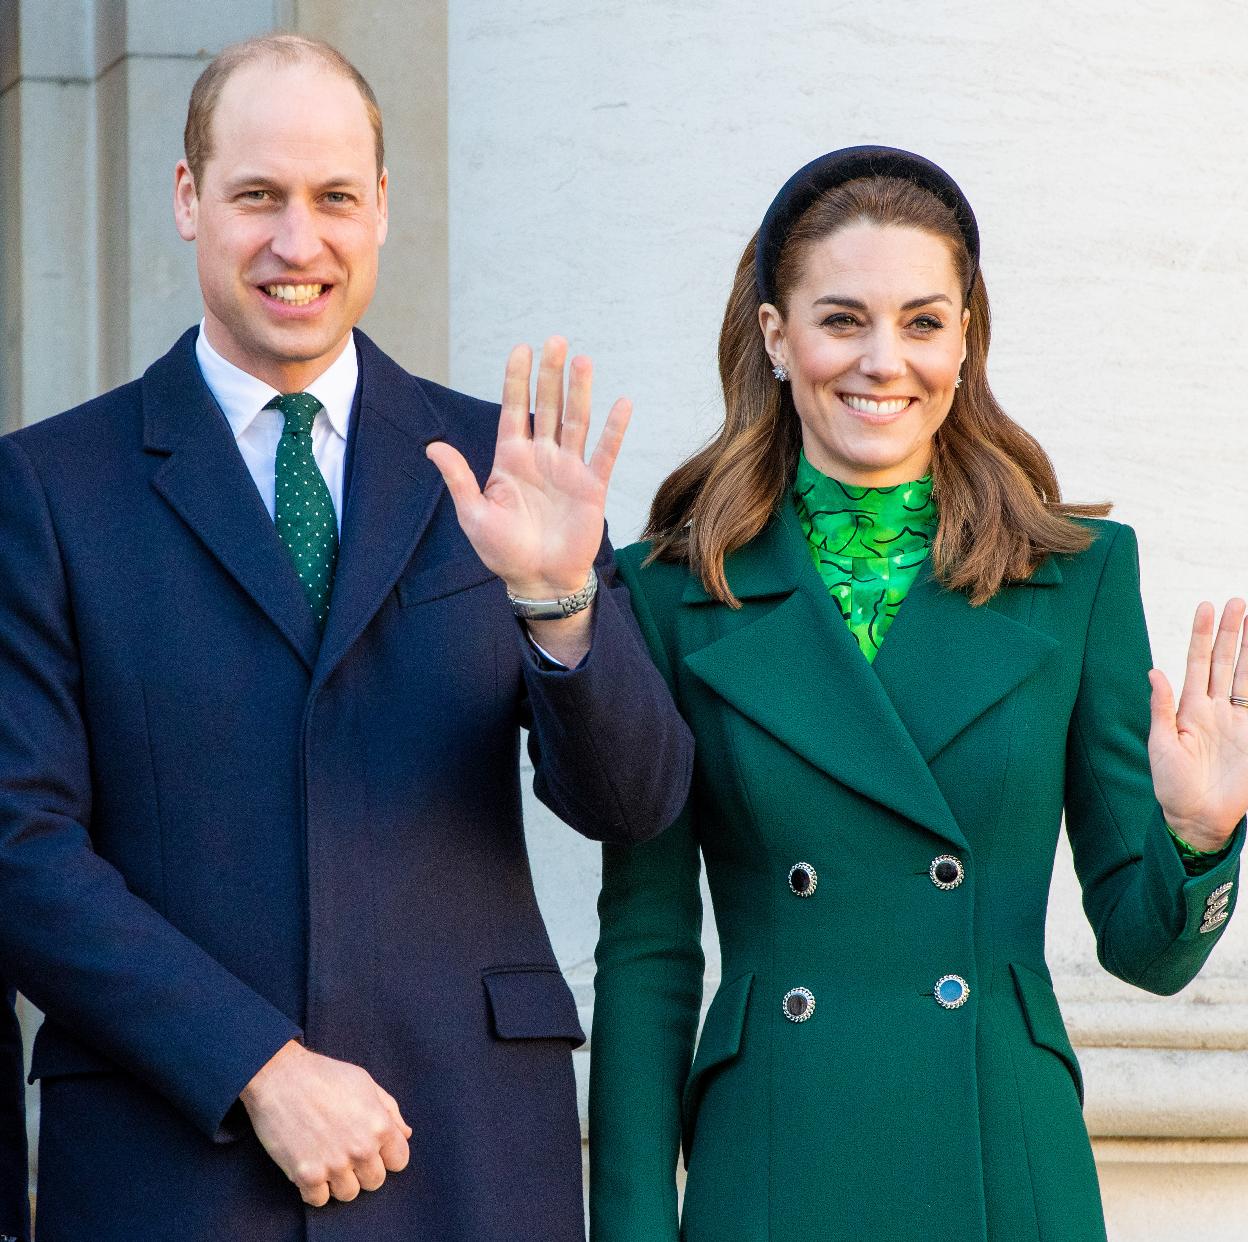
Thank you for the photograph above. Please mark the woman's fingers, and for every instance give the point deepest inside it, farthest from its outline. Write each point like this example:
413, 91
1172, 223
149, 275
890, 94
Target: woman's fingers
1199, 652
548, 410
1161, 704
513, 422
1239, 683
1225, 648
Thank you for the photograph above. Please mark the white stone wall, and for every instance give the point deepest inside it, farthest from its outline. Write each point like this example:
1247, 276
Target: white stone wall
608, 164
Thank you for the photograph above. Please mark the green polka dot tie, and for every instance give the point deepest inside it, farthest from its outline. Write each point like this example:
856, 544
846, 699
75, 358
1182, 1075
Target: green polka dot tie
304, 509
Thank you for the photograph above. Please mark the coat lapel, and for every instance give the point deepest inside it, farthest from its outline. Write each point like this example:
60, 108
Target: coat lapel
394, 491
944, 663
795, 670
206, 482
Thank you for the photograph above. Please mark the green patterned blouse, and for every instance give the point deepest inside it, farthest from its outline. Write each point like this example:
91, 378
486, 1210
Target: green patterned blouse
868, 544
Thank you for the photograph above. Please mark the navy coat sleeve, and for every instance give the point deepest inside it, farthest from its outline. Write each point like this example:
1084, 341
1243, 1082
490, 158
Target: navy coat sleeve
73, 937
613, 774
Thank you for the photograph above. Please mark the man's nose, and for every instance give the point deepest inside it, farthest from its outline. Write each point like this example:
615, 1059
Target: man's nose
296, 239
882, 359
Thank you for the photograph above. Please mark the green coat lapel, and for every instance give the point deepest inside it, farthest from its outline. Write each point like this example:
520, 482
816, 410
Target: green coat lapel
935, 666
794, 669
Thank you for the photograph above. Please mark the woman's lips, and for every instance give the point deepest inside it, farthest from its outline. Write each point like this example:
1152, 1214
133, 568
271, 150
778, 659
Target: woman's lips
876, 409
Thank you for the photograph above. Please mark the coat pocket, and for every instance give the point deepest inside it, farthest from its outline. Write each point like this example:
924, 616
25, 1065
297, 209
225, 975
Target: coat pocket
57, 1054
531, 1002
1044, 1019
420, 586
718, 1045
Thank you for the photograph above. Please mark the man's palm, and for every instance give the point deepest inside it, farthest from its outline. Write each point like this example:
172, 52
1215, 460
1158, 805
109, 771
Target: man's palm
537, 523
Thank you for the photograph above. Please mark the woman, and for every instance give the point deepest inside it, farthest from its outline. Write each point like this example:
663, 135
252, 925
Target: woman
880, 784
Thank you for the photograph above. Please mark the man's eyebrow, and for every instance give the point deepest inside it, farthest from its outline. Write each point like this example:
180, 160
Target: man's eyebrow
245, 177
835, 299
259, 181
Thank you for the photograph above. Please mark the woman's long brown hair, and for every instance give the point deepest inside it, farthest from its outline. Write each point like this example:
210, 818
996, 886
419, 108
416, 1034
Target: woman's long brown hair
1001, 511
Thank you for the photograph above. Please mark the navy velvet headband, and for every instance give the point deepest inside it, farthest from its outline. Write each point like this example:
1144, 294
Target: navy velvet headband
834, 169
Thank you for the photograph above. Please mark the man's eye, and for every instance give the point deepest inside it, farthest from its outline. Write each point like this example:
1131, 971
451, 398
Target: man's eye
255, 196
338, 198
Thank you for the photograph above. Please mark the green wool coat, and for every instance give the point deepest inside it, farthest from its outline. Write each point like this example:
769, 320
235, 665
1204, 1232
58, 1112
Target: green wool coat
882, 1115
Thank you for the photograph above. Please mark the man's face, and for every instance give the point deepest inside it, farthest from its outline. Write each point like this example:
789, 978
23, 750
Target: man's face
288, 219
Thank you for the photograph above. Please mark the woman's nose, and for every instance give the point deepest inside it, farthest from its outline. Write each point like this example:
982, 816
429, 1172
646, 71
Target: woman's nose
882, 358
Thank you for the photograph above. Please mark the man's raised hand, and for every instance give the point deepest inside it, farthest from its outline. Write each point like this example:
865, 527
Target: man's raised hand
537, 523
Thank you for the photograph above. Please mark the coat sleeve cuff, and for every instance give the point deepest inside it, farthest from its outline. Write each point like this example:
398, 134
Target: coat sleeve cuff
1210, 898
223, 1117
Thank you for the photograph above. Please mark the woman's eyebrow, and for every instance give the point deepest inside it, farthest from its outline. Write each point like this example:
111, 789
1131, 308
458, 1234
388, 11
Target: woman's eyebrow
835, 299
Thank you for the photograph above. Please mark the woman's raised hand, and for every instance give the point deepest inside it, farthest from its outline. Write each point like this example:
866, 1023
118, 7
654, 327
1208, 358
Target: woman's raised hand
537, 523
1199, 752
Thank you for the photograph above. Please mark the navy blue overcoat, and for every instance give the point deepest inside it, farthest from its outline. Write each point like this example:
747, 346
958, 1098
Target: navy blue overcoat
218, 833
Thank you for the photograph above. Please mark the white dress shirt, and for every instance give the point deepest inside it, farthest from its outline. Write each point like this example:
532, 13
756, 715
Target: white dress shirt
242, 399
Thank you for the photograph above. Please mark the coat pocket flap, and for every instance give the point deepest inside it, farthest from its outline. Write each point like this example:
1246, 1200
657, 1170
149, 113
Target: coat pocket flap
57, 1055
419, 586
532, 1003
1044, 1019
719, 1043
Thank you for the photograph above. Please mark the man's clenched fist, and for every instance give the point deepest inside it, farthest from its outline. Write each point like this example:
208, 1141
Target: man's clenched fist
329, 1127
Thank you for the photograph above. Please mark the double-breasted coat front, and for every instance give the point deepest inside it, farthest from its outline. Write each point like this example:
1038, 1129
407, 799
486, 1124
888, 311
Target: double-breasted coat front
220, 831
881, 1113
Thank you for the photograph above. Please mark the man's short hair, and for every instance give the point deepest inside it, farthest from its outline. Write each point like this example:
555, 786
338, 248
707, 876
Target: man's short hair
284, 49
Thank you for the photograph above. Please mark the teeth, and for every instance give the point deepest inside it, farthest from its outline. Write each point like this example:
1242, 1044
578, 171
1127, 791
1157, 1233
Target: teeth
865, 405
294, 295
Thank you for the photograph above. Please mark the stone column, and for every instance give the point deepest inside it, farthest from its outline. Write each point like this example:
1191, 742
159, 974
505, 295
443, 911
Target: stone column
94, 281
401, 49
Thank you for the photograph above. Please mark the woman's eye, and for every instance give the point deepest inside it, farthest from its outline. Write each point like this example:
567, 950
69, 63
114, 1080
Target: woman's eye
927, 323
842, 319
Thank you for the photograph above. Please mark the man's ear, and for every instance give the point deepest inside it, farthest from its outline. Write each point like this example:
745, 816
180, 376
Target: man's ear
185, 202
383, 206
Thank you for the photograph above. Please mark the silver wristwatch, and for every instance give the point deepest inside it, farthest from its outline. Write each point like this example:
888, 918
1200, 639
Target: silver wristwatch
556, 609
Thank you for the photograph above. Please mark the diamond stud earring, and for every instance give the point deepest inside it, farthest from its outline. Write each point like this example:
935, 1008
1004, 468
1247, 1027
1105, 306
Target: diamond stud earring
779, 372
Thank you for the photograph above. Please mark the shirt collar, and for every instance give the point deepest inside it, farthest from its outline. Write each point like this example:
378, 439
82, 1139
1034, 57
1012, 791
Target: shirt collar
242, 396
844, 520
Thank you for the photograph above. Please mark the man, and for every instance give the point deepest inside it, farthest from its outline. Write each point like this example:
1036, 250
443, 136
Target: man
261, 854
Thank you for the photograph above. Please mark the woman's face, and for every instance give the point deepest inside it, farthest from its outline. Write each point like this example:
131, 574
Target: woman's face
873, 341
